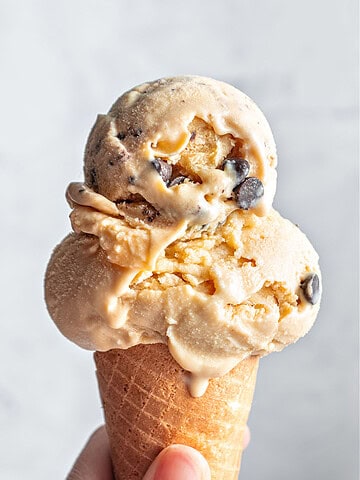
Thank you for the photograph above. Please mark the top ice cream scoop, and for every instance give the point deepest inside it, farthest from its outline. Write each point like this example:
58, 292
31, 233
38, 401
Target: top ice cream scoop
155, 144
176, 240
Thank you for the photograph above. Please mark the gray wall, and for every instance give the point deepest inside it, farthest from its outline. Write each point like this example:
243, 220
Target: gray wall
62, 63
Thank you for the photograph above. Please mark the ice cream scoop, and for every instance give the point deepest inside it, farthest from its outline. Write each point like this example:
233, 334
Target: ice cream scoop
176, 242
176, 132
214, 299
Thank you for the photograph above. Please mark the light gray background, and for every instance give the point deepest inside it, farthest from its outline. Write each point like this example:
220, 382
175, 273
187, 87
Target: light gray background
61, 64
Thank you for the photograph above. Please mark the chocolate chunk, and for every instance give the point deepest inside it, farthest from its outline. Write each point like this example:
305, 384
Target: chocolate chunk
163, 168
177, 181
240, 166
311, 288
247, 194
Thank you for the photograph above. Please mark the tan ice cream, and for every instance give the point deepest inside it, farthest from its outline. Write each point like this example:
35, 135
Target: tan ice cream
176, 241
193, 124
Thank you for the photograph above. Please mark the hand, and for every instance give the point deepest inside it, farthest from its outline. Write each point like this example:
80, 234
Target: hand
177, 462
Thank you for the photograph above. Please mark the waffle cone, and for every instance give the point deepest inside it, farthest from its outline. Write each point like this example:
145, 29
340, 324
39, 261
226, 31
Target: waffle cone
148, 407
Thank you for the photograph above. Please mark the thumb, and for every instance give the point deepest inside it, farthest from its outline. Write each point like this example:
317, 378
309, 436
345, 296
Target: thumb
179, 462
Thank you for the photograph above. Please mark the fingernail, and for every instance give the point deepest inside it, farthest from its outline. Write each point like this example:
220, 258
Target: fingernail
179, 462
246, 438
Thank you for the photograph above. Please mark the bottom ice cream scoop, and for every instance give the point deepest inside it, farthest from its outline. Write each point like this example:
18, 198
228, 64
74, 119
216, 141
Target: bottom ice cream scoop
246, 288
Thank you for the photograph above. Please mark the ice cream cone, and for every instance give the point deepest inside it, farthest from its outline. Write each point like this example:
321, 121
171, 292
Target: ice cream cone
147, 407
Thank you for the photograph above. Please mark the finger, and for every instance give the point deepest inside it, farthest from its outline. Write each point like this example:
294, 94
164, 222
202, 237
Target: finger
179, 462
94, 461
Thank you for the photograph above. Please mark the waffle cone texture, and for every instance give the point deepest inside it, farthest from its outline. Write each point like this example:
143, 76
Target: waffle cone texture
148, 407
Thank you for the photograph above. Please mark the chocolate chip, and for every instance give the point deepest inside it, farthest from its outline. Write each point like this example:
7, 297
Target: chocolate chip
93, 178
131, 180
240, 166
248, 193
192, 136
131, 198
97, 146
136, 132
121, 135
163, 168
150, 213
118, 158
311, 288
177, 181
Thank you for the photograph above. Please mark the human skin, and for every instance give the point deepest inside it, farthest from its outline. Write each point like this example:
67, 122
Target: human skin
177, 462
